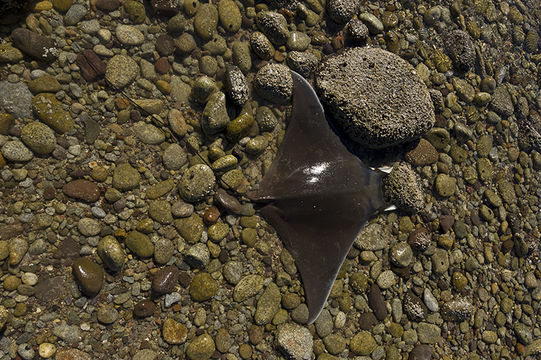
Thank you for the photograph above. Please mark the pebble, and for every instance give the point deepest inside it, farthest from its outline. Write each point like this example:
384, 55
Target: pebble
420, 352
111, 253
197, 256
214, 116
129, 35
203, 287
445, 185
50, 111
196, 183
430, 301
144, 308
362, 343
373, 237
414, 308
89, 276
274, 26
375, 26
81, 189
428, 333
125, 177
190, 228
376, 302
344, 80
25, 351
16, 151
201, 348
302, 62
341, 11
140, 244
205, 21
145, 354
247, 287
232, 271
107, 314
236, 85
401, 254
230, 16
174, 157
386, 279
37, 46
92, 67
121, 70
75, 14
163, 251
324, 324
46, 350
45, 83
274, 83
294, 341
268, 304
174, 332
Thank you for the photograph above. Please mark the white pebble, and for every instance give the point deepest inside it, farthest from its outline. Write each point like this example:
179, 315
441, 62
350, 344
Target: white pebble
29, 279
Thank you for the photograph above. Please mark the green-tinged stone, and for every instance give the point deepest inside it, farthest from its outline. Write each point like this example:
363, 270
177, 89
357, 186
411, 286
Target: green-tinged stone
6, 122
458, 154
125, 177
485, 169
493, 198
201, 348
203, 287
218, 231
111, 253
445, 185
62, 5
268, 304
233, 179
247, 287
44, 84
160, 189
239, 126
205, 21
50, 111
230, 17
507, 192
160, 211
190, 228
363, 343
136, 11
140, 244
38, 137
88, 275
10, 54
249, 237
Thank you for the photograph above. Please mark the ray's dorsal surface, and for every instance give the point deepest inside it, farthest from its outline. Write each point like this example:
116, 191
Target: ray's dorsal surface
318, 195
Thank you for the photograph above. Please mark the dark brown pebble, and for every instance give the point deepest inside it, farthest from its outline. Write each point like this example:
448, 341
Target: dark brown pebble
423, 154
107, 5
376, 301
367, 320
228, 202
88, 275
185, 279
446, 222
37, 46
144, 308
255, 334
211, 216
224, 256
82, 190
92, 67
421, 352
48, 193
165, 280
165, 45
162, 65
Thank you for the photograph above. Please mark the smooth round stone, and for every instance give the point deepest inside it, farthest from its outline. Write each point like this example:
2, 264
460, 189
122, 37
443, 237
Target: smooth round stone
163, 250
174, 332
140, 244
121, 70
16, 151
233, 271
203, 287
25, 351
165, 280
148, 133
174, 157
215, 117
386, 279
298, 41
375, 26
45, 83
125, 177
75, 14
10, 54
158, 190
89, 227
205, 21
201, 348
46, 350
185, 44
144, 308
160, 211
29, 278
11, 282
445, 185
17, 249
136, 11
129, 35
363, 343
111, 253
82, 190
240, 51
196, 183
107, 314
247, 287
89, 276
47, 107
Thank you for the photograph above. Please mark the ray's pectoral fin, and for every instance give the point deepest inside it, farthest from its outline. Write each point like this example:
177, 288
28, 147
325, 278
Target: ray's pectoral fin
318, 196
